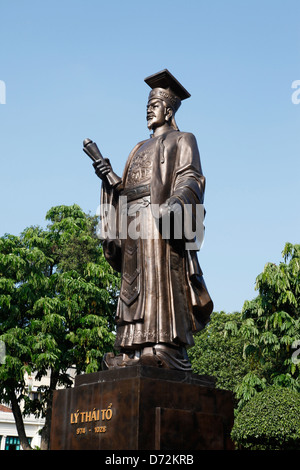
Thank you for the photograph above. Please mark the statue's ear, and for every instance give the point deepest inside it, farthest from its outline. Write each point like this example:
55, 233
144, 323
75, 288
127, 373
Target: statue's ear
169, 114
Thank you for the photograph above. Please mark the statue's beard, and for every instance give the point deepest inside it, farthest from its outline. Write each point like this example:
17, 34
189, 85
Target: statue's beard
150, 123
153, 123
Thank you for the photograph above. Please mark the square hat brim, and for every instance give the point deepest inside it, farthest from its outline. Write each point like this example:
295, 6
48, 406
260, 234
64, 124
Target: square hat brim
165, 79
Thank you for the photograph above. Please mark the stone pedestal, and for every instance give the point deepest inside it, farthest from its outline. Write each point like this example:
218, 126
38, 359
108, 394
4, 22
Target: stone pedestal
142, 408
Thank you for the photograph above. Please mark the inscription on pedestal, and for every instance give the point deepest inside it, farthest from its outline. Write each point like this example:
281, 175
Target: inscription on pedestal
141, 409
94, 421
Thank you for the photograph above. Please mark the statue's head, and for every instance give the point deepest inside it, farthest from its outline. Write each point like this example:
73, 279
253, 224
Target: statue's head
164, 99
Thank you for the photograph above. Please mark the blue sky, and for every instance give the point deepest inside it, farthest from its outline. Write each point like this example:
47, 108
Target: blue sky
75, 69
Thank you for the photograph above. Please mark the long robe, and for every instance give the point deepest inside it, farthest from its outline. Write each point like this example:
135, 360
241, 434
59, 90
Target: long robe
163, 297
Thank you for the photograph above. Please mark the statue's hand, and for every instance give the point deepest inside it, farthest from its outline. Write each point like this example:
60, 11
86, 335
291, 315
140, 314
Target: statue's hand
102, 168
172, 205
171, 216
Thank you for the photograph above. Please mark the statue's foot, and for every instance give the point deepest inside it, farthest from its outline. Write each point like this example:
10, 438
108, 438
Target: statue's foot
157, 355
167, 357
112, 361
150, 359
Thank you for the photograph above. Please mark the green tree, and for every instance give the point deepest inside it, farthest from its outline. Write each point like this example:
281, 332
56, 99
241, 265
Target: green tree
271, 328
269, 421
57, 303
218, 354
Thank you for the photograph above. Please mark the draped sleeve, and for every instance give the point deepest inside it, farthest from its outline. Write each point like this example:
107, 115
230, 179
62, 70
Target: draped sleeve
109, 226
189, 188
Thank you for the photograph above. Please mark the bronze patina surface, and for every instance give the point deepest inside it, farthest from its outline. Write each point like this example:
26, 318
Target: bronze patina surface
163, 299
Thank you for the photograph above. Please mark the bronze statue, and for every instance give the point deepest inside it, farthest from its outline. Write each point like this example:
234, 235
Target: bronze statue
163, 298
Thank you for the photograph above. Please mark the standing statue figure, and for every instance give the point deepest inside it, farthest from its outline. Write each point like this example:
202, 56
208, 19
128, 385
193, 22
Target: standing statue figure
163, 299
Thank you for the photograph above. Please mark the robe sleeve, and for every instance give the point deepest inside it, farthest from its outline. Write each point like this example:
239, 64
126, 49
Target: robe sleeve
189, 180
108, 232
188, 189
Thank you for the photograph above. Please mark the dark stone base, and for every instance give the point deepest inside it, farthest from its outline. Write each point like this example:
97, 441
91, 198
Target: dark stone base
142, 408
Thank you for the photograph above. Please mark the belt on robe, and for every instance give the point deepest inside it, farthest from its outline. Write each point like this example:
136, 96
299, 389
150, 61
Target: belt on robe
136, 193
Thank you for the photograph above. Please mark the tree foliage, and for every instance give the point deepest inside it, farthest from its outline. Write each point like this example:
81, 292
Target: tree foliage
270, 421
57, 303
255, 355
269, 393
271, 327
218, 354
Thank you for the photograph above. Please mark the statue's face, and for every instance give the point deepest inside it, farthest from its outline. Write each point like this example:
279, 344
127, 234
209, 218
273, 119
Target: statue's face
156, 114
